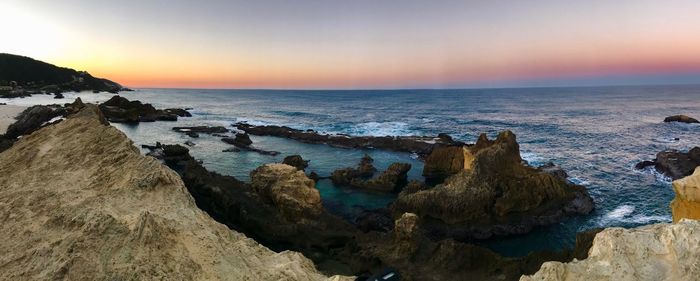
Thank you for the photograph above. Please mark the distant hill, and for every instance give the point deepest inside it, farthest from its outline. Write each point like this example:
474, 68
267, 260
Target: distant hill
34, 75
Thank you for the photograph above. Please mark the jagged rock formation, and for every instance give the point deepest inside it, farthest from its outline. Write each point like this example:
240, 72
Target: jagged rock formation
443, 162
494, 194
120, 110
674, 163
653, 252
686, 204
681, 118
79, 202
390, 180
365, 169
419, 145
242, 141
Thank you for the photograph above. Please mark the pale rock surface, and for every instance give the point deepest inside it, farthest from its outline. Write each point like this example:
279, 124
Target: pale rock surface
79, 202
659, 252
686, 204
287, 188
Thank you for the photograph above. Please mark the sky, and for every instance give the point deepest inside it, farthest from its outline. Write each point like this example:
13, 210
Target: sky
361, 44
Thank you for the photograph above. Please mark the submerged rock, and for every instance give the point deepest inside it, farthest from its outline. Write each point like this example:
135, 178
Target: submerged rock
78, 201
494, 194
653, 252
201, 129
681, 118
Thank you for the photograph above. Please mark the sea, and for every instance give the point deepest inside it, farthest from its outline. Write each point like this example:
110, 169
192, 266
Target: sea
597, 134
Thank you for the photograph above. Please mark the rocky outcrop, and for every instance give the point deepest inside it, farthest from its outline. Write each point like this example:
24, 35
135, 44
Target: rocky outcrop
686, 204
494, 194
365, 169
79, 202
673, 163
242, 141
120, 110
390, 180
443, 162
653, 252
288, 190
681, 118
419, 145
297, 162
32, 119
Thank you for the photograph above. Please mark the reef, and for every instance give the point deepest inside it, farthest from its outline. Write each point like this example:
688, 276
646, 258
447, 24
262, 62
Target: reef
120, 110
673, 163
422, 146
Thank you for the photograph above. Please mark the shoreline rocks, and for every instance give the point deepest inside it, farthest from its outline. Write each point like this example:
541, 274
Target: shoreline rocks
686, 203
674, 163
81, 202
297, 162
419, 145
494, 195
120, 110
242, 141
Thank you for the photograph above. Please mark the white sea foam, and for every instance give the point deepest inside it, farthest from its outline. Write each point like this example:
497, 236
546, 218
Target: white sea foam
619, 213
380, 129
532, 158
579, 181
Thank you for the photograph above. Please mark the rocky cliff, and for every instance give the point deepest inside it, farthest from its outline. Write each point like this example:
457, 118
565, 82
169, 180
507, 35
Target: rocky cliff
654, 252
79, 202
687, 201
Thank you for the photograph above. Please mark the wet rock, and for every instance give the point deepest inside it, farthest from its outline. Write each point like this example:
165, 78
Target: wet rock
120, 110
240, 140
494, 195
419, 145
189, 143
297, 162
392, 179
314, 176
178, 112
673, 163
365, 169
192, 134
58, 96
201, 129
681, 118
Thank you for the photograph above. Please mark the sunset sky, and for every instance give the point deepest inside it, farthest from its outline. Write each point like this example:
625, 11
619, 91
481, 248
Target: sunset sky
361, 44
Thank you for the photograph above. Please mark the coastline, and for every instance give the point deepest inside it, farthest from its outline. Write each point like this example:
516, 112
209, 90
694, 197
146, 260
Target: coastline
8, 114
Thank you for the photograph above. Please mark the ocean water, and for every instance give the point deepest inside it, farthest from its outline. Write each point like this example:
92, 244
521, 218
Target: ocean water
596, 134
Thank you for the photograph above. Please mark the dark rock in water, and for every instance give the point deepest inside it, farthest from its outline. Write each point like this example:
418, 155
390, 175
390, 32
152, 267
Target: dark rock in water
189, 143
120, 110
201, 129
494, 195
392, 179
644, 164
192, 134
32, 119
681, 118
58, 96
365, 169
178, 112
419, 145
554, 170
233, 149
673, 163
297, 162
243, 142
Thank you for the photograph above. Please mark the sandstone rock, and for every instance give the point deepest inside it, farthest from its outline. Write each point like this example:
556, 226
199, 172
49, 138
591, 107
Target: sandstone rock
443, 162
297, 162
681, 118
686, 204
653, 252
79, 202
288, 189
494, 194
